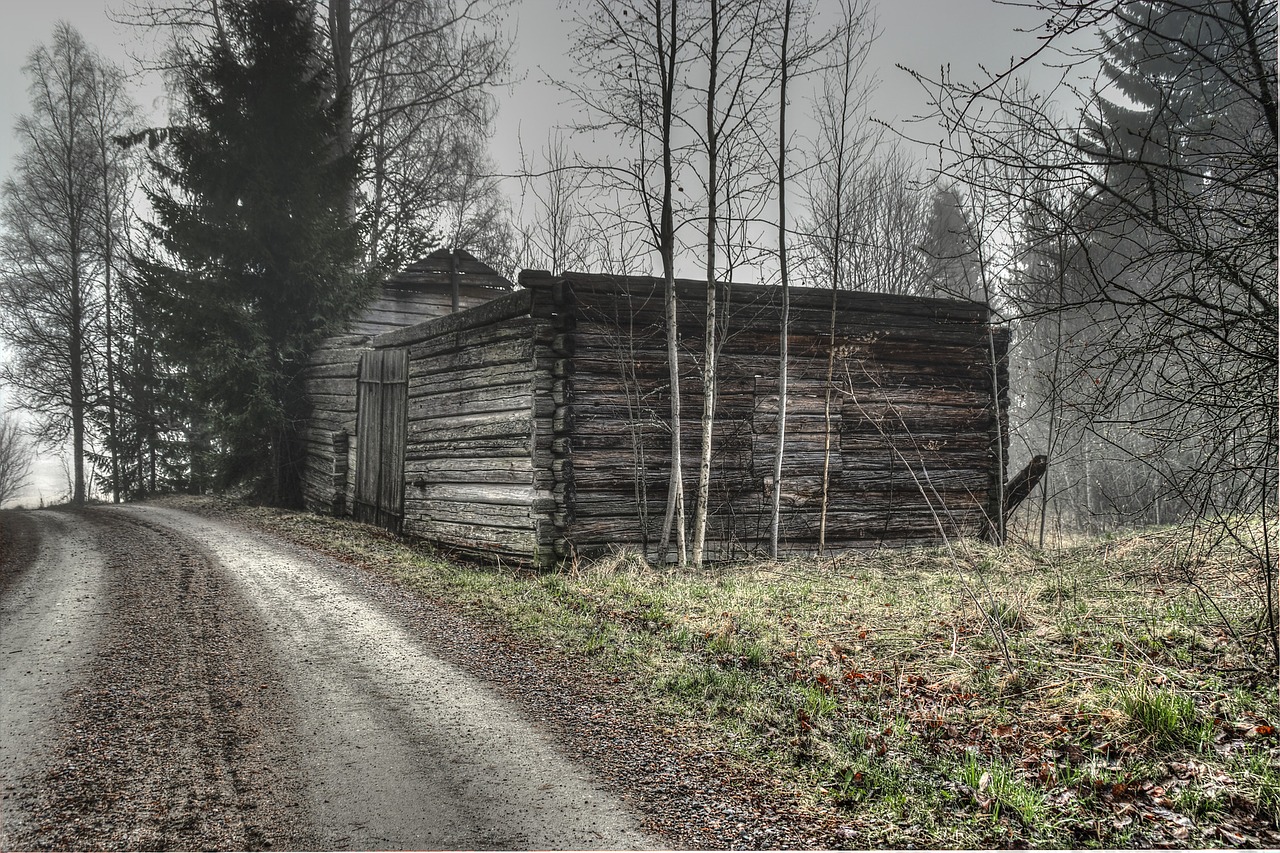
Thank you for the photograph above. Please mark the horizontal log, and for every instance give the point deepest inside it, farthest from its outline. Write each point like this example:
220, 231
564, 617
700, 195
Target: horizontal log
512, 475
344, 341
746, 326
334, 403
480, 515
502, 308
514, 399
515, 329
646, 291
654, 374
510, 495
470, 426
337, 370
478, 448
867, 338
515, 351
514, 540
464, 380
322, 357
331, 387
899, 525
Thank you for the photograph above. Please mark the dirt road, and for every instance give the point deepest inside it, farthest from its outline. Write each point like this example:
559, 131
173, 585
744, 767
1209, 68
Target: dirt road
172, 681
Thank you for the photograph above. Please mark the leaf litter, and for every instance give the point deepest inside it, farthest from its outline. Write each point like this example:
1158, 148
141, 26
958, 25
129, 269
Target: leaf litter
866, 700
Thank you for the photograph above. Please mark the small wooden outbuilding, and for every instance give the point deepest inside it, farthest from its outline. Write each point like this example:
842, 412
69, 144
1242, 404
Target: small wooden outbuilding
535, 426
442, 283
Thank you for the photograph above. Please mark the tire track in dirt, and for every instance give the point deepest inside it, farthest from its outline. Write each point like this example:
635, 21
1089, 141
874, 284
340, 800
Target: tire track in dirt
397, 746
51, 580
176, 736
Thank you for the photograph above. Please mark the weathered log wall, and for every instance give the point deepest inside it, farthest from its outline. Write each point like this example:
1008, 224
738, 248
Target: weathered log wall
912, 426
477, 460
435, 286
331, 389
537, 424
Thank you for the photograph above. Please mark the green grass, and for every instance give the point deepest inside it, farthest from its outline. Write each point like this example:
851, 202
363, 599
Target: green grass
877, 685
1170, 718
998, 789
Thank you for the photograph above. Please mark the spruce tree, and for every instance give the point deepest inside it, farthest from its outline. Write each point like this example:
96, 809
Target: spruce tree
253, 242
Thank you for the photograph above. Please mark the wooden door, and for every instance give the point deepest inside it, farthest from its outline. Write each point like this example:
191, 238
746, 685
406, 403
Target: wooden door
382, 409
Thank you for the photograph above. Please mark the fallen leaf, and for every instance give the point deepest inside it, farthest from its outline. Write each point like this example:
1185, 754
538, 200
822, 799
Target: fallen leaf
1231, 837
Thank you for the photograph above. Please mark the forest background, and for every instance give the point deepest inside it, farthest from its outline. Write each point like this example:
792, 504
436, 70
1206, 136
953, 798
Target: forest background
1104, 181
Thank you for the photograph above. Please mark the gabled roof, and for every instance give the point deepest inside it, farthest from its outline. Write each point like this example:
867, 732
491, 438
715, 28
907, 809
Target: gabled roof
443, 267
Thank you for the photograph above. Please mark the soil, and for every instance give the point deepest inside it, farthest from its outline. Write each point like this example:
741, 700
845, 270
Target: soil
173, 681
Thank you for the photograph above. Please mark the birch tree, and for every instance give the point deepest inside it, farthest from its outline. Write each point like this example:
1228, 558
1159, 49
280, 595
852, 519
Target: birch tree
633, 54
797, 52
54, 251
110, 111
846, 145
730, 41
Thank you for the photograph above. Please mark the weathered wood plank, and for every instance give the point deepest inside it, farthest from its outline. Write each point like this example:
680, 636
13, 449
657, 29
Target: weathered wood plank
497, 355
517, 396
473, 426
503, 308
514, 496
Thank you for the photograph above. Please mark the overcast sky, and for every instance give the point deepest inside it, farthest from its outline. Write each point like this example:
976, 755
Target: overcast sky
919, 34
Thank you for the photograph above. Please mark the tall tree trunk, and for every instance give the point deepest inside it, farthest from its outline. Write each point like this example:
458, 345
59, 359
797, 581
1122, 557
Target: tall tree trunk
113, 443
709, 351
666, 248
76, 352
340, 39
785, 322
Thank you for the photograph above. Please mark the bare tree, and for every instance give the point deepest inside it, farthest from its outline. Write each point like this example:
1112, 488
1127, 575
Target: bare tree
477, 217
52, 255
845, 144
553, 233
416, 82
420, 76
1172, 166
110, 111
730, 41
867, 233
15, 459
797, 52
632, 51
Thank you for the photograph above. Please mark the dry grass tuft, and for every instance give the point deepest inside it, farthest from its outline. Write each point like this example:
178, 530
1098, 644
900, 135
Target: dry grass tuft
1102, 694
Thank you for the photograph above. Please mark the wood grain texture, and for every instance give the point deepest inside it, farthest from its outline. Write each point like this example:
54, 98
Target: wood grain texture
433, 287
911, 431
536, 423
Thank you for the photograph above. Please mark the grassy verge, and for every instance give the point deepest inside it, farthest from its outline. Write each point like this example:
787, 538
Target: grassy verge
1089, 696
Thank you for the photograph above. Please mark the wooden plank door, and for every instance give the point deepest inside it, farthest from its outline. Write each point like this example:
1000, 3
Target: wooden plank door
381, 421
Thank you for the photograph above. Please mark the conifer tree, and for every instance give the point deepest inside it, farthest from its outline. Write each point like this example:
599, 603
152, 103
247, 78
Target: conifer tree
253, 242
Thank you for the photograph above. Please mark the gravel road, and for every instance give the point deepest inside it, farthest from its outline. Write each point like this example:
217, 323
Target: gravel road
173, 681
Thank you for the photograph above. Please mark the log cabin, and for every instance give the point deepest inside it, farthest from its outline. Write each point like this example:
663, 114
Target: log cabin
442, 283
535, 425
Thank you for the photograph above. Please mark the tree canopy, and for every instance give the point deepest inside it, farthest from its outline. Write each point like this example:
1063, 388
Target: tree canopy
55, 247
253, 246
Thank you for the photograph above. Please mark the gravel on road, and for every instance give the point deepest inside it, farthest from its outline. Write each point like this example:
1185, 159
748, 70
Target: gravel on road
214, 688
